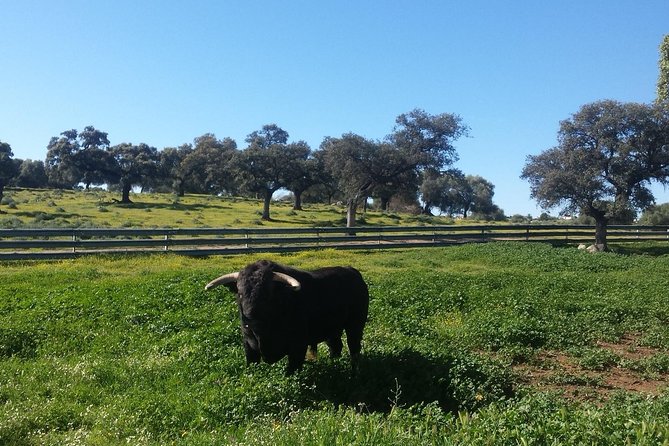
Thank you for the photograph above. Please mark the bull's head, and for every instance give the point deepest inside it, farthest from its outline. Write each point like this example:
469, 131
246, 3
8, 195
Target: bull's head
261, 293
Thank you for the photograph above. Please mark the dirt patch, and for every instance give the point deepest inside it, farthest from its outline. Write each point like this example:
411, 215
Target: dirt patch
628, 347
583, 380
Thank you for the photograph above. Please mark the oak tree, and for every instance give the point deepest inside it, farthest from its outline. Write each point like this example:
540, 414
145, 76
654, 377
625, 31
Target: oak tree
352, 161
207, 168
136, 163
171, 174
442, 190
607, 155
265, 165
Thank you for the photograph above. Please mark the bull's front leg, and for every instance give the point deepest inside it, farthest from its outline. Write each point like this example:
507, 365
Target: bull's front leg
251, 348
252, 356
296, 357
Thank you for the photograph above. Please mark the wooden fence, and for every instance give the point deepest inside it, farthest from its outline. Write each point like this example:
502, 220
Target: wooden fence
19, 244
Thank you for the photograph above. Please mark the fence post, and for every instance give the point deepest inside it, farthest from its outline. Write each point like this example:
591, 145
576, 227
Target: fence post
527, 234
74, 242
167, 241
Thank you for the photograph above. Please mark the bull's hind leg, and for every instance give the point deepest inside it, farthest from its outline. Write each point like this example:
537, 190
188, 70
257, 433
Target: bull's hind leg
354, 342
335, 345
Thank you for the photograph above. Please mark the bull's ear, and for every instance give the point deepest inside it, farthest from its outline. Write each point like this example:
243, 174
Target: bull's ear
229, 280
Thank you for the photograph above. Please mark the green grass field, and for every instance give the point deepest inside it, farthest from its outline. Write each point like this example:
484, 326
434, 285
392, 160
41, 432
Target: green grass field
96, 208
501, 343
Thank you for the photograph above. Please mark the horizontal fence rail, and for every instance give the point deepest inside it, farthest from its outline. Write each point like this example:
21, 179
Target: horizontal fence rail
19, 244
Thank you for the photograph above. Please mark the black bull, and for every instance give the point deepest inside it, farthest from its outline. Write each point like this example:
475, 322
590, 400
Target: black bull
284, 310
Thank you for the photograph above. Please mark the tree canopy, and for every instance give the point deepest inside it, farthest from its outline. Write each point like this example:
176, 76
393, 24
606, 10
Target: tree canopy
30, 174
83, 157
442, 190
456, 193
427, 140
206, 167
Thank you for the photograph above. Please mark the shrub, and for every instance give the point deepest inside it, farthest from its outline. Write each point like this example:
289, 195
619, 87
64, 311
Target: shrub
656, 215
9, 202
597, 358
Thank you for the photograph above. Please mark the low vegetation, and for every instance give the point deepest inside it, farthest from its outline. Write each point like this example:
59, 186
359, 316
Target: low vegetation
501, 343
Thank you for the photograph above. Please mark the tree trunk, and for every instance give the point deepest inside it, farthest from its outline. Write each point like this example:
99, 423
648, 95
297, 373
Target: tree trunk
384, 204
266, 202
2, 189
125, 193
297, 206
351, 210
180, 186
601, 224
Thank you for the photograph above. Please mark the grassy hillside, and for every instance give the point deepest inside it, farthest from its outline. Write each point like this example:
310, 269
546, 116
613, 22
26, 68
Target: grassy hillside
58, 208
503, 343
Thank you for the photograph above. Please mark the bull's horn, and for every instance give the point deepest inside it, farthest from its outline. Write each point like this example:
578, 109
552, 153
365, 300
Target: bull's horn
232, 277
288, 280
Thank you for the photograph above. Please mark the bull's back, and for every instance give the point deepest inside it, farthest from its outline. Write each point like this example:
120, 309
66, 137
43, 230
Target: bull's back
336, 298
344, 284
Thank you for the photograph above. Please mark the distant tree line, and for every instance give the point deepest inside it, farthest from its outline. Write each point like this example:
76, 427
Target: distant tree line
412, 167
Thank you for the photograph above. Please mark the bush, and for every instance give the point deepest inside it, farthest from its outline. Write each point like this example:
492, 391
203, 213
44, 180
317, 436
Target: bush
11, 222
9, 202
656, 215
597, 359
519, 219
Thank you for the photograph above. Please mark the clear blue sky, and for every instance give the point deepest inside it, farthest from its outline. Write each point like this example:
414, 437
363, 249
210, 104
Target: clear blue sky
165, 72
